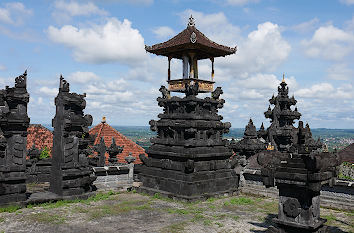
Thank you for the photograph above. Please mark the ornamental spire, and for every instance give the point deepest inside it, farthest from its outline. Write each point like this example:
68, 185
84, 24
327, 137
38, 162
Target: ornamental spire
191, 22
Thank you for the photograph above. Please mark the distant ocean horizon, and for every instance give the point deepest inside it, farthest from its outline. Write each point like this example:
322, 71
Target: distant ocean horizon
48, 126
144, 131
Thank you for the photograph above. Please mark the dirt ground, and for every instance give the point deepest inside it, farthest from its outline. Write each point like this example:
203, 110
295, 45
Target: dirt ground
132, 212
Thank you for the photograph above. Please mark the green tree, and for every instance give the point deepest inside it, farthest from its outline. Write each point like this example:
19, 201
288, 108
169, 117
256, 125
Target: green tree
45, 153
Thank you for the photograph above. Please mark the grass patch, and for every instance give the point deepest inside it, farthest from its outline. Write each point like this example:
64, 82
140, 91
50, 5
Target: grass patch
61, 203
47, 218
174, 228
212, 207
207, 222
220, 216
330, 219
350, 213
239, 201
158, 196
31, 185
268, 207
10, 209
123, 207
211, 199
2, 219
198, 217
219, 224
177, 211
236, 218
80, 209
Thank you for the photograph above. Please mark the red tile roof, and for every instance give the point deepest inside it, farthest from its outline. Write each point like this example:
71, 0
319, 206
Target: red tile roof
40, 136
347, 154
107, 132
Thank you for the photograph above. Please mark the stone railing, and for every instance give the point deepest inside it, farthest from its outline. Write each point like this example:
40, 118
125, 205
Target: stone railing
340, 195
114, 177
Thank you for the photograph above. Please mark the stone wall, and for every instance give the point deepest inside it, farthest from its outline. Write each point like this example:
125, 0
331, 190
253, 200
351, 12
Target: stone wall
38, 172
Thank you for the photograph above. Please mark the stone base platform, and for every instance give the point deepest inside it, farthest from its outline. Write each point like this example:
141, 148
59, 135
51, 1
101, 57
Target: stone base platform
279, 228
190, 187
42, 197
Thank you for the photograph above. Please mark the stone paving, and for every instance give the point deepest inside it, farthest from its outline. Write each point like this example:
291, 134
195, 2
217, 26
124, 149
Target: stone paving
132, 212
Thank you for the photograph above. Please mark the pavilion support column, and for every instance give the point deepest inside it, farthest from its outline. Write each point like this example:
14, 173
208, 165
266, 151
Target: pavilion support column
212, 68
185, 66
169, 69
195, 64
192, 67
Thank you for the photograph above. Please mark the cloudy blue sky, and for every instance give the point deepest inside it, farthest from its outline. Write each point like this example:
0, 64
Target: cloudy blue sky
98, 46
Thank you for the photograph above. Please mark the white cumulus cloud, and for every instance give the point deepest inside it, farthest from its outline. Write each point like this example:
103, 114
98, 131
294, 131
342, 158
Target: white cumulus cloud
240, 2
48, 91
347, 2
82, 77
14, 13
330, 43
114, 41
262, 51
163, 32
75, 9
306, 26
215, 26
340, 71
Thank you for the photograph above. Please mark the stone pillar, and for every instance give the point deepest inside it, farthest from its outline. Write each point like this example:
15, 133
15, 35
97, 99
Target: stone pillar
185, 66
71, 173
13, 140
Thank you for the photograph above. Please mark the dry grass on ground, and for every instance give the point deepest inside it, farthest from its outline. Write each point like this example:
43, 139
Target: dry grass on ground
132, 212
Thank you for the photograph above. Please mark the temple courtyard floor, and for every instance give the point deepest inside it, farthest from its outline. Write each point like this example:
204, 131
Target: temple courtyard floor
133, 212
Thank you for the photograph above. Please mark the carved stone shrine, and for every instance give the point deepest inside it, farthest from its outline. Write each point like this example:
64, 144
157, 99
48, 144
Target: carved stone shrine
281, 134
250, 144
189, 159
113, 151
13, 140
297, 166
71, 173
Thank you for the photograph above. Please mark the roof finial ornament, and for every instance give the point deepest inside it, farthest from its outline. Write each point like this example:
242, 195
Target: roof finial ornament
103, 120
191, 22
283, 81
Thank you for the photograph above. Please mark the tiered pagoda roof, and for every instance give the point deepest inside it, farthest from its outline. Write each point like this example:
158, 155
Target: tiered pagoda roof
282, 114
190, 39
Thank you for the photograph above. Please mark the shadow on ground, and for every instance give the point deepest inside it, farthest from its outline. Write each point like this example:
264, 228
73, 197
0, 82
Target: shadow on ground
268, 222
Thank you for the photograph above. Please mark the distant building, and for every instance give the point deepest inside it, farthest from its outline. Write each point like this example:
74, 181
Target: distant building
108, 132
40, 136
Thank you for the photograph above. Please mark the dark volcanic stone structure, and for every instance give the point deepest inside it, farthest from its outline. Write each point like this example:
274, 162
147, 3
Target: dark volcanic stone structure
281, 133
250, 144
297, 166
299, 177
13, 125
113, 151
71, 173
189, 159
37, 169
